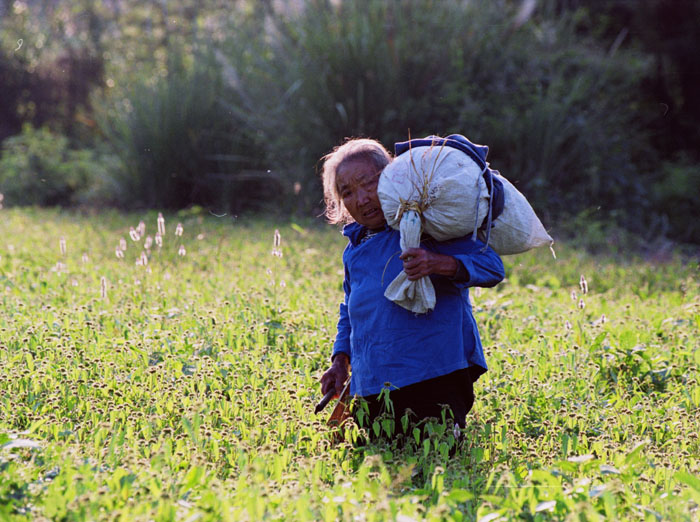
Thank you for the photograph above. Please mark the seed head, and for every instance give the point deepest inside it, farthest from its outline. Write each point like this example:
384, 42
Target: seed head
583, 284
161, 224
179, 229
133, 234
103, 287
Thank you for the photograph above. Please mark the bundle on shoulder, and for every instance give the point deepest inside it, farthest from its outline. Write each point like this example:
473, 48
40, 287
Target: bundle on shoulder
445, 188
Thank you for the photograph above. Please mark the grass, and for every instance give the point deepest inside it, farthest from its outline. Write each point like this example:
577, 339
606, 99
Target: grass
184, 389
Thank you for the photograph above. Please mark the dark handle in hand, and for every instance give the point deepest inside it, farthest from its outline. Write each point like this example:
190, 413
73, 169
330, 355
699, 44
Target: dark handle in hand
326, 399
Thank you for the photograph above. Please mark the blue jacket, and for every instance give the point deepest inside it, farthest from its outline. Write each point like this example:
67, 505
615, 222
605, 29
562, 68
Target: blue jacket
388, 344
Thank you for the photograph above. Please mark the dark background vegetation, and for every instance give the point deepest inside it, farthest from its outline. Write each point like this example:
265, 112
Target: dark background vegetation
591, 107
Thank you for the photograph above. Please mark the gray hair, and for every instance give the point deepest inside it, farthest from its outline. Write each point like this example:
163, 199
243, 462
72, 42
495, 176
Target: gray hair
353, 149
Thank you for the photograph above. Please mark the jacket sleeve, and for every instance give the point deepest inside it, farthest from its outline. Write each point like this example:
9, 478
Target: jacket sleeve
483, 266
342, 338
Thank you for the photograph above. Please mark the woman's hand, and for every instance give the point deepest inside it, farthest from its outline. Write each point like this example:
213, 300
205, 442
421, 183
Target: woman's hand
418, 262
336, 375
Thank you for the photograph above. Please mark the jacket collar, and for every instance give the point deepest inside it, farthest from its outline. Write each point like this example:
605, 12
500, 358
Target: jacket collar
355, 232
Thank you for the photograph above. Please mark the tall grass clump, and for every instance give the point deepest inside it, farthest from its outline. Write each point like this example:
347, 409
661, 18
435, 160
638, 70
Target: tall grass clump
556, 108
308, 78
171, 134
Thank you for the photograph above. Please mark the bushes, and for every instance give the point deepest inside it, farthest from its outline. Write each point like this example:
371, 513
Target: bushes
676, 195
37, 167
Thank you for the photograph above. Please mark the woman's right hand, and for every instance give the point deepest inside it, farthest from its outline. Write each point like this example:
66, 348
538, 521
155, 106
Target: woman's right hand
336, 375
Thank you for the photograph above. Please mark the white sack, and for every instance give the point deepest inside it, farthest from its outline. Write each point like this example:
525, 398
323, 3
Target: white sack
442, 191
517, 229
455, 188
448, 189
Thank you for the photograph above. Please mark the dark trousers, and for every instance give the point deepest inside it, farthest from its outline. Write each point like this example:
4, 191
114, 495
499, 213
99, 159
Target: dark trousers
426, 399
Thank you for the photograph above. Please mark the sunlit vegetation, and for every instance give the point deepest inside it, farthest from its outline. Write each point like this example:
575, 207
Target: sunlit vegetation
180, 384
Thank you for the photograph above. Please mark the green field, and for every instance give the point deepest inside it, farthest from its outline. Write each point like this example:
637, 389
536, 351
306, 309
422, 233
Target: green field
184, 389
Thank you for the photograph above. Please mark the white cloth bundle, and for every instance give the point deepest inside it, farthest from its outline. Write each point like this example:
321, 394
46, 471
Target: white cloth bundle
441, 190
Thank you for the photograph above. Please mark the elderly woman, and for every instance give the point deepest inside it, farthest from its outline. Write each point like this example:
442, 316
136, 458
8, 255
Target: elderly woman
427, 360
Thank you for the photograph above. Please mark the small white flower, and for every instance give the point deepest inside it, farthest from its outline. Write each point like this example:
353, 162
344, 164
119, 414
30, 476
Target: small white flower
141, 228
159, 240
122, 244
583, 284
86, 259
181, 251
581, 304
200, 237
133, 234
179, 230
148, 243
161, 224
119, 253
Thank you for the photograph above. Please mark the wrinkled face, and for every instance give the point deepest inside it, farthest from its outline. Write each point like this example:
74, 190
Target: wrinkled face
357, 181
